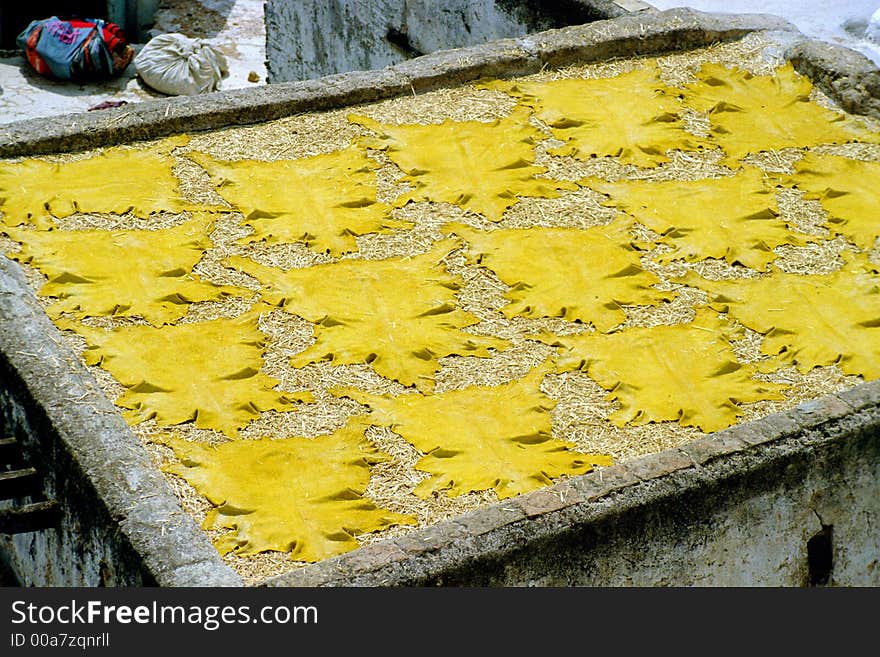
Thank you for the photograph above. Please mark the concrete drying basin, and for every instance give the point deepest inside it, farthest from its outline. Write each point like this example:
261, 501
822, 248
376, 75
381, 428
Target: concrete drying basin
307, 40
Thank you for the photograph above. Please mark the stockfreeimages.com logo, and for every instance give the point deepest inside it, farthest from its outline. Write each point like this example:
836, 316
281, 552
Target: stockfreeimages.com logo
209, 617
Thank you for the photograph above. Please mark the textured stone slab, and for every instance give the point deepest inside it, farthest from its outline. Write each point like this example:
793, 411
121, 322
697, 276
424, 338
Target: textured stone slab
628, 35
719, 444
862, 396
848, 76
549, 499
430, 538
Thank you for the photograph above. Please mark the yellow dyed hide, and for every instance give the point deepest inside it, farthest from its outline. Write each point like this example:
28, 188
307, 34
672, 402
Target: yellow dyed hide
122, 273
482, 167
732, 218
398, 314
633, 116
325, 201
481, 437
753, 113
847, 189
686, 373
307, 496
116, 181
207, 372
298, 495
809, 321
579, 274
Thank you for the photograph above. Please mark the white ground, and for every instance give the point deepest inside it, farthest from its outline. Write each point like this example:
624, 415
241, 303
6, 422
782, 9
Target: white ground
238, 29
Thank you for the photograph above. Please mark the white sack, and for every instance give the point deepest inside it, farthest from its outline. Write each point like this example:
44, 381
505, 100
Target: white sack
180, 66
872, 33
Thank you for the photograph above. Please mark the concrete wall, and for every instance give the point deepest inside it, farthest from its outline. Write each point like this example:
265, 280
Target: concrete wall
645, 33
790, 500
308, 39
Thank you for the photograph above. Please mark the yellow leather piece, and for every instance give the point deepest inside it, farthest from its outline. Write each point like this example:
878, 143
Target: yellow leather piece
847, 190
122, 273
398, 314
481, 437
324, 201
633, 116
734, 217
116, 181
686, 373
754, 113
304, 496
809, 321
582, 275
204, 372
482, 167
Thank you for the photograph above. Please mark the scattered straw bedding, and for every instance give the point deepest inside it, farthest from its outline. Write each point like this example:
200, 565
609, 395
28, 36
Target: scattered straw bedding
581, 412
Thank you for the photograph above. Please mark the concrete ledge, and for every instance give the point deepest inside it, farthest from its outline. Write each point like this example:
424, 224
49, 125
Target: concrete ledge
643, 33
120, 516
723, 510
